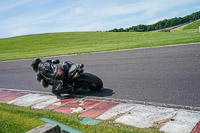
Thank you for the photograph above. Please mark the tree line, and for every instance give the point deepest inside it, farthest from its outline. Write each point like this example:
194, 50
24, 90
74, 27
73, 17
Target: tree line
161, 24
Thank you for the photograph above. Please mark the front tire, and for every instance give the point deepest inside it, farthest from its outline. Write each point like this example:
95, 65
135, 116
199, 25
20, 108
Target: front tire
89, 81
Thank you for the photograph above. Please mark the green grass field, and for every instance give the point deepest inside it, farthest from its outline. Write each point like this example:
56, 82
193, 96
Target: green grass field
14, 119
54, 44
194, 25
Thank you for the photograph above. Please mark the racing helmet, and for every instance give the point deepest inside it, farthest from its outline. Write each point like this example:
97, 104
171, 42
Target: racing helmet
35, 64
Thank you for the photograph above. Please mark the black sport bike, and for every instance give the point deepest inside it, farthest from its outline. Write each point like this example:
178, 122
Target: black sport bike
77, 79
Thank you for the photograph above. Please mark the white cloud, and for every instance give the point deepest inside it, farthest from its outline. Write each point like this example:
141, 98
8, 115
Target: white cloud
146, 8
108, 10
78, 10
173, 13
151, 8
12, 4
21, 31
155, 20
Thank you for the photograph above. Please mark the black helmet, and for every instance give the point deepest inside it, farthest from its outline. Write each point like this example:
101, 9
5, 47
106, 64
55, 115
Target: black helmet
35, 64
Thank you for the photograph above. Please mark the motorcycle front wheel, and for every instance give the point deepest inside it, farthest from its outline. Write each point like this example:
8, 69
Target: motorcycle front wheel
89, 81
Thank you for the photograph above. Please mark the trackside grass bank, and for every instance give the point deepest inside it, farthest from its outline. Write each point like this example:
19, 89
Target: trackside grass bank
194, 25
54, 44
15, 119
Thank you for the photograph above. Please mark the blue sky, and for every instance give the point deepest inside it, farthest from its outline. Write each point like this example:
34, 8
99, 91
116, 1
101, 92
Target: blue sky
22, 17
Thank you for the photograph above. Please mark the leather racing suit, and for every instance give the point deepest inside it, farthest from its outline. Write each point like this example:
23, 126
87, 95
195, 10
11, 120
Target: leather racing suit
52, 73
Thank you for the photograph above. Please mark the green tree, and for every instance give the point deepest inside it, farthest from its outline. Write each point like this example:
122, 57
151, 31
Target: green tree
161, 24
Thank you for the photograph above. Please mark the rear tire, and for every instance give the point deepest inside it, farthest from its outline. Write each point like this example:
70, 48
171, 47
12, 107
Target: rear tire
89, 81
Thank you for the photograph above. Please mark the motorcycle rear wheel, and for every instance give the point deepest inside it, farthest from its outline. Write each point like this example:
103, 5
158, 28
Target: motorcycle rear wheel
89, 81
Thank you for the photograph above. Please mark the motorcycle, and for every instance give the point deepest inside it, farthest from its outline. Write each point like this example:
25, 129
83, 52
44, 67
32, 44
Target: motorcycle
78, 79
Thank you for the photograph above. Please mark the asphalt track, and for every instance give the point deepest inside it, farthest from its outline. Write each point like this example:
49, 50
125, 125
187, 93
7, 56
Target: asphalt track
169, 74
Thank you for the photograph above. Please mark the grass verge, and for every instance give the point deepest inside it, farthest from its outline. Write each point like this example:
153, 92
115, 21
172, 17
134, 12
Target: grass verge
15, 119
194, 25
54, 44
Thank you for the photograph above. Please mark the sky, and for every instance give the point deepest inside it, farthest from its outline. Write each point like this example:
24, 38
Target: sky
24, 17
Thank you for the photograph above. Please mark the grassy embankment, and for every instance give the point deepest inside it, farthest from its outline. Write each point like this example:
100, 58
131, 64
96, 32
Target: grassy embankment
14, 119
194, 25
54, 44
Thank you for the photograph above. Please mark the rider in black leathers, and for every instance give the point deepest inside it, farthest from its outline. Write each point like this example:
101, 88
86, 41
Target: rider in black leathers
52, 73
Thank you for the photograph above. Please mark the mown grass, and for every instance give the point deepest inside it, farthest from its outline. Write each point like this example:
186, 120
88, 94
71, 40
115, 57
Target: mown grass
14, 119
194, 25
54, 44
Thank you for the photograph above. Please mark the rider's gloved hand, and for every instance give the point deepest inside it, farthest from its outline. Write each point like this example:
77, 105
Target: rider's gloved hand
39, 77
81, 65
56, 61
44, 83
